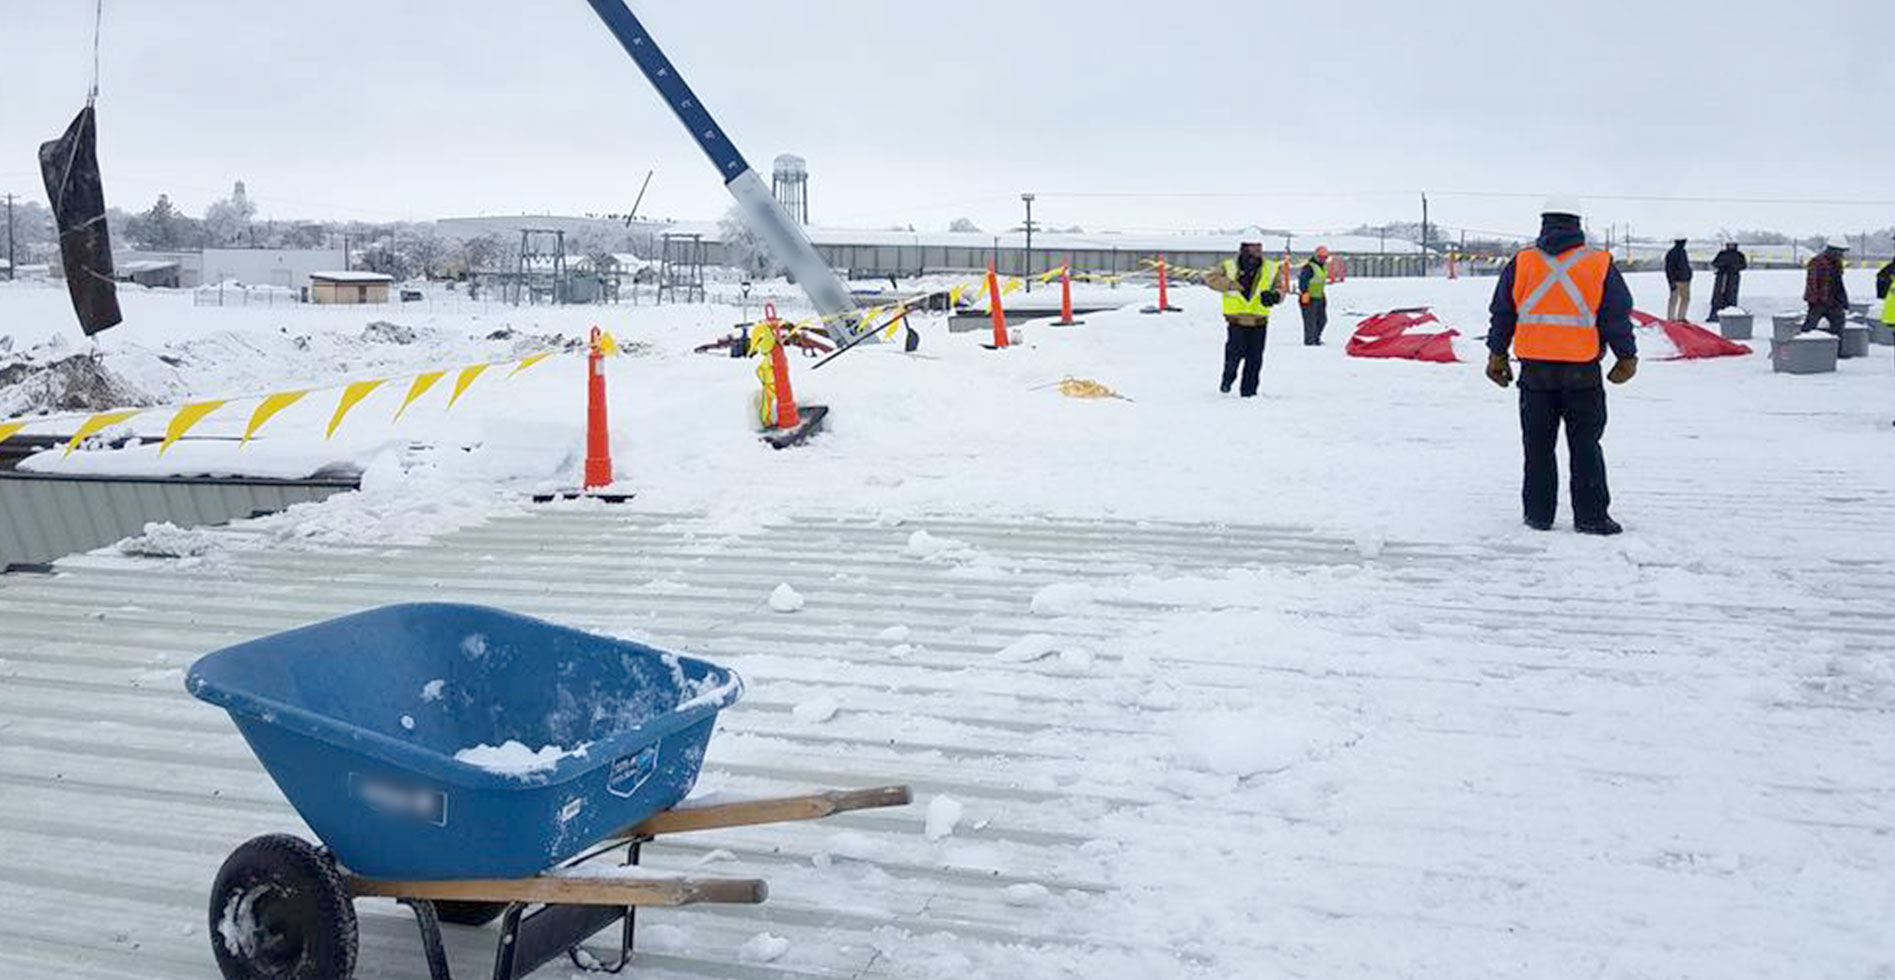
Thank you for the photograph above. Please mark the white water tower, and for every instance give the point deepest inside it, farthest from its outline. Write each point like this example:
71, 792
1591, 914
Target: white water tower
790, 183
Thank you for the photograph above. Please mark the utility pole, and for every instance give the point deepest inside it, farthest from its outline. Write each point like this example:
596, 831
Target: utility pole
1424, 233
10, 262
1028, 198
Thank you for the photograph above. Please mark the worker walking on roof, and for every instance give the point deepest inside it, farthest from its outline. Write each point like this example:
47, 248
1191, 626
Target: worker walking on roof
1558, 305
1729, 266
1249, 285
1678, 274
1313, 284
1824, 291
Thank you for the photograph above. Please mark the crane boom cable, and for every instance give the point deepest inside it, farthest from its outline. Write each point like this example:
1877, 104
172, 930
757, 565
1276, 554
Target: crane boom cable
98, 26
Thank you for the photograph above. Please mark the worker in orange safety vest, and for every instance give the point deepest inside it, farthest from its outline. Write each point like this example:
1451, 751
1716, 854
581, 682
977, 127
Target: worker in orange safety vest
1558, 306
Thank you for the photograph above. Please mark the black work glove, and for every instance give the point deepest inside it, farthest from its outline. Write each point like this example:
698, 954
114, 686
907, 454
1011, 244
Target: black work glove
1271, 297
1500, 370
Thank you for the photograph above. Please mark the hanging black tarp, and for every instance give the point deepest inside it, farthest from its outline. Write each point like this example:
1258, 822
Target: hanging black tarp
70, 165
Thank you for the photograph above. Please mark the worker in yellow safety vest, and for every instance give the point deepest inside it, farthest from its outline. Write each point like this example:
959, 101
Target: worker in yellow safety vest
1885, 289
1558, 306
1250, 287
1313, 284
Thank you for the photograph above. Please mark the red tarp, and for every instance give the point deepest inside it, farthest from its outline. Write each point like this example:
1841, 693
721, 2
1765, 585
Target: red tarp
1386, 335
1693, 342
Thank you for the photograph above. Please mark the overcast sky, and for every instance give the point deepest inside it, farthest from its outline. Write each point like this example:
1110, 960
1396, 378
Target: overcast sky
1118, 114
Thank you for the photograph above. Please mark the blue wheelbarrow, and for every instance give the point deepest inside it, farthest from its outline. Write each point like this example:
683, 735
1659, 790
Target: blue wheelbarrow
470, 763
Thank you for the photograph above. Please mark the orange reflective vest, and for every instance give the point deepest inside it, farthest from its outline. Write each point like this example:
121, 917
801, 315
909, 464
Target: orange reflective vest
1558, 301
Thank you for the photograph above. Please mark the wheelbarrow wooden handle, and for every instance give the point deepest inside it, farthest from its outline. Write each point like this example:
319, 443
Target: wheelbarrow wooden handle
749, 813
574, 890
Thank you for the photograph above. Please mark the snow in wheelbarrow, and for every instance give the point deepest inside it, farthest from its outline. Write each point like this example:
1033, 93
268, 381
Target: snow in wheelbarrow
442, 742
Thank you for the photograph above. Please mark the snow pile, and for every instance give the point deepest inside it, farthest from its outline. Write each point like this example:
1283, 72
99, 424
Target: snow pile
926, 546
167, 540
785, 599
1062, 599
816, 711
513, 758
1241, 743
46, 380
764, 947
1026, 649
944, 814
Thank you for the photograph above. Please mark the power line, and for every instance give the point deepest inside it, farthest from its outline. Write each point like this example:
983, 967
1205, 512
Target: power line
1641, 198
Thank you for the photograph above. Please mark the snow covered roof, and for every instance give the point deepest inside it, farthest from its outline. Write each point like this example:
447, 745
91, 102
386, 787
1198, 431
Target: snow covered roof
370, 277
142, 265
1179, 242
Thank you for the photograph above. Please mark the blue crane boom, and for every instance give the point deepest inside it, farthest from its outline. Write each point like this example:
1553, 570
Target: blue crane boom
758, 206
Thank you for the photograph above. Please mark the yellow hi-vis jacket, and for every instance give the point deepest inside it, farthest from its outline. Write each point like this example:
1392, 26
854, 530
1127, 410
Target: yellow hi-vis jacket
1236, 303
1888, 307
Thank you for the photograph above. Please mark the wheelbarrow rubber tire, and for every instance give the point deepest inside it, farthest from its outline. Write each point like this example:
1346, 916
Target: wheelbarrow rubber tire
281, 911
469, 913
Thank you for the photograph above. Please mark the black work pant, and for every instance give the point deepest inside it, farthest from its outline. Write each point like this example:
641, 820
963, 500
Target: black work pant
1315, 318
1836, 315
1243, 348
1583, 412
1723, 293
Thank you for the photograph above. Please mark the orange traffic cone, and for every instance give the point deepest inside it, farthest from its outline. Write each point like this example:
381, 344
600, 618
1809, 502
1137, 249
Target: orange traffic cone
1066, 296
598, 431
1164, 289
786, 416
999, 312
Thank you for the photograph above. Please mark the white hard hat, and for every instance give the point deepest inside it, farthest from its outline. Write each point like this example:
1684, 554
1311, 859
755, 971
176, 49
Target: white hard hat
1562, 204
1839, 244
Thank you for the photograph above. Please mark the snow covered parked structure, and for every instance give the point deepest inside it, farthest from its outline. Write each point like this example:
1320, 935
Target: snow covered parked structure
349, 288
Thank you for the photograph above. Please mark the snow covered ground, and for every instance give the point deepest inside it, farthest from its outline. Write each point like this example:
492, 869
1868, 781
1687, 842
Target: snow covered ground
1213, 687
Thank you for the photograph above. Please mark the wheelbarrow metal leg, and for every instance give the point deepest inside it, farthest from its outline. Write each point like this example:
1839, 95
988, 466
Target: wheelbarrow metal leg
528, 942
627, 936
430, 924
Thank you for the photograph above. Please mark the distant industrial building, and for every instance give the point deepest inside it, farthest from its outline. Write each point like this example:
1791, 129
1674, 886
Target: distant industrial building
290, 268
286, 268
349, 288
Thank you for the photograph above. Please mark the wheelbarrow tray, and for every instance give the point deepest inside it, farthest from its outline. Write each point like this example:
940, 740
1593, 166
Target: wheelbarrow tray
359, 721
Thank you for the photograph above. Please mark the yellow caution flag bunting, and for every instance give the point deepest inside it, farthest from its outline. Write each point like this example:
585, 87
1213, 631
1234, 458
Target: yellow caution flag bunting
529, 362
351, 397
95, 424
9, 429
420, 387
609, 345
466, 380
187, 419
268, 409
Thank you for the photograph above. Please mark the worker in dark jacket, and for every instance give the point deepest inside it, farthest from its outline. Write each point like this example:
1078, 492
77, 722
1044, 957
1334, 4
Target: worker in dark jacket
1250, 288
1313, 284
1823, 290
1729, 265
1678, 274
1558, 306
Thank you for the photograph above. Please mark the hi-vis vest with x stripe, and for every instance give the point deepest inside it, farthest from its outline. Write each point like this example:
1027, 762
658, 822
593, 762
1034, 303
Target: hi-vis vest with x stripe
1236, 303
1558, 300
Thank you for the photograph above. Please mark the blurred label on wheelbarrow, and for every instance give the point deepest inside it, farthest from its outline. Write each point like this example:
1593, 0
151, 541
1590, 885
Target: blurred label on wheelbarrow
414, 802
630, 772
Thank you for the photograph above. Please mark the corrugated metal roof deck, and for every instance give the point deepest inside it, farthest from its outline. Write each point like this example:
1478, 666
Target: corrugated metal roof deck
121, 794
1501, 722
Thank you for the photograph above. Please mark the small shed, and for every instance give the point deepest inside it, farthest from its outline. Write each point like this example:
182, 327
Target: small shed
157, 273
347, 288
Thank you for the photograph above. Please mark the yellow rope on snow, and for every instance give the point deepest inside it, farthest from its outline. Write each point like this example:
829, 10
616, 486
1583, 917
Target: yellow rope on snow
1073, 387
